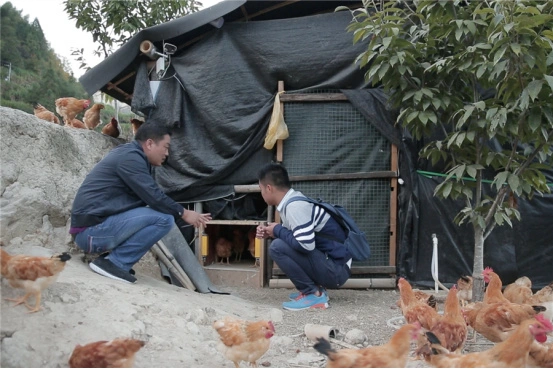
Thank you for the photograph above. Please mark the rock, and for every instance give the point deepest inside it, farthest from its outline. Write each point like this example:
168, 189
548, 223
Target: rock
356, 337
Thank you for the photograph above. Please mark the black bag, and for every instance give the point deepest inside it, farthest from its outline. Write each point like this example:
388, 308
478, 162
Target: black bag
356, 241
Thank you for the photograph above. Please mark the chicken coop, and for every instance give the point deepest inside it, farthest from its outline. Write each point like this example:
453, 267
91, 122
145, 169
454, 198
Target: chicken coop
332, 152
213, 76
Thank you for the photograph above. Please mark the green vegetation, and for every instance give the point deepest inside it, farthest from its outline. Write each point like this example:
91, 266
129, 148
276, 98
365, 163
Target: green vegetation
37, 73
469, 72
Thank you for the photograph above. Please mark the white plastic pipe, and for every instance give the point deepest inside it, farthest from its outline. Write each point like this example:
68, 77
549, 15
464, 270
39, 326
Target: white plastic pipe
434, 264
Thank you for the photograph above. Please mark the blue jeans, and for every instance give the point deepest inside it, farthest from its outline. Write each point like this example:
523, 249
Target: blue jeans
308, 271
127, 236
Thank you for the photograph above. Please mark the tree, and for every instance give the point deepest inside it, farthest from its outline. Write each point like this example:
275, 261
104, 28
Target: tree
435, 59
112, 23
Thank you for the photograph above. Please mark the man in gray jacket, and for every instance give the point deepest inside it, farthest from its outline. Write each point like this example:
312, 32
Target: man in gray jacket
120, 209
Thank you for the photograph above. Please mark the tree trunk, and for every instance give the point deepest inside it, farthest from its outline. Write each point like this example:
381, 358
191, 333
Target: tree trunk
478, 266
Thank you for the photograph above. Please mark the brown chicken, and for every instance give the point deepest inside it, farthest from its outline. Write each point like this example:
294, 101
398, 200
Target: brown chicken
238, 244
497, 321
243, 340
427, 298
91, 117
464, 285
543, 295
45, 114
31, 273
135, 124
112, 128
117, 353
75, 123
519, 291
223, 250
493, 292
541, 355
69, 107
393, 354
451, 329
512, 353
415, 310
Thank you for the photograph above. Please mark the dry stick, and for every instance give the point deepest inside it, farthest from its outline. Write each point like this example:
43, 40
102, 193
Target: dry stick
342, 343
168, 259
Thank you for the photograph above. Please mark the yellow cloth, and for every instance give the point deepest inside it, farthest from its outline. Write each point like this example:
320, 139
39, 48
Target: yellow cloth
278, 130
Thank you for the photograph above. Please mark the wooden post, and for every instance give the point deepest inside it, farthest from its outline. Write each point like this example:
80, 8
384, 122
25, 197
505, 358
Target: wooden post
393, 205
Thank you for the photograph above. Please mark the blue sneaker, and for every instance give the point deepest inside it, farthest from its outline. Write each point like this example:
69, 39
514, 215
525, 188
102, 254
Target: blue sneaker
298, 295
307, 302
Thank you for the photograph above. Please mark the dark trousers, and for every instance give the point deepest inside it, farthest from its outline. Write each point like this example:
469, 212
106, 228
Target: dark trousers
308, 270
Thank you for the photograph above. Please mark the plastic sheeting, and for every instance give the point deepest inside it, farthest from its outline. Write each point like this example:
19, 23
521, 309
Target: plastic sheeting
220, 94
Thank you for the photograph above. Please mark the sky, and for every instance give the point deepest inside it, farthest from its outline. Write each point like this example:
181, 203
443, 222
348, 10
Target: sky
61, 32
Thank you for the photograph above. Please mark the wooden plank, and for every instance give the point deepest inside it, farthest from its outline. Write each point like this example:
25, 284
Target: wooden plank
118, 82
313, 97
111, 86
385, 269
344, 176
280, 144
247, 17
235, 222
393, 206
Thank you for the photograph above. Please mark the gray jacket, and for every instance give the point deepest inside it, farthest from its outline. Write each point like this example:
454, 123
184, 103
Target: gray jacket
121, 181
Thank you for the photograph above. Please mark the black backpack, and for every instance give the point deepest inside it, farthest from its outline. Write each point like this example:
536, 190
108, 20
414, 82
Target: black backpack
355, 242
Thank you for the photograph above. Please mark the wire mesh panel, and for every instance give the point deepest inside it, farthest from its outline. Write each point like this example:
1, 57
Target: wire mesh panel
334, 138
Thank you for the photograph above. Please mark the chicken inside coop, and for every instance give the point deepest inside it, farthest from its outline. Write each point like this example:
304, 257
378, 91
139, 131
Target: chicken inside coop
229, 245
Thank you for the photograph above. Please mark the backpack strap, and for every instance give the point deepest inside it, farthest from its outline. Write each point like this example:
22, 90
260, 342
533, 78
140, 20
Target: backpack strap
315, 202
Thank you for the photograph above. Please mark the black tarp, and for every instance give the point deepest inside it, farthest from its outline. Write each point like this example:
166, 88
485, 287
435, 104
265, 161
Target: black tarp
220, 95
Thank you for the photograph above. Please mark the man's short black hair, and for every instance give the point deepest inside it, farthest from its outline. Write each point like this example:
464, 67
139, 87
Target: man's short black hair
276, 175
152, 130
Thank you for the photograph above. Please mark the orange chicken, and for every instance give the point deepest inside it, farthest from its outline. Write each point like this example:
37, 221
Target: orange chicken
512, 353
135, 124
519, 291
117, 353
31, 273
238, 244
223, 250
541, 355
75, 123
427, 298
415, 310
464, 285
112, 128
45, 114
451, 329
493, 292
242, 340
497, 321
69, 107
92, 116
393, 354
251, 246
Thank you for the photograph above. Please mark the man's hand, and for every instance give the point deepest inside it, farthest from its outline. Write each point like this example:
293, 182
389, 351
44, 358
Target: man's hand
265, 231
195, 218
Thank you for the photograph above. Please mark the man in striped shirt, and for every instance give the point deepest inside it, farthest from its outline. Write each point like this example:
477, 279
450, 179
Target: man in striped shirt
312, 261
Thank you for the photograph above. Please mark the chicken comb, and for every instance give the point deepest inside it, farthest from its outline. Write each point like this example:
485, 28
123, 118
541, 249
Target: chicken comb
543, 320
487, 270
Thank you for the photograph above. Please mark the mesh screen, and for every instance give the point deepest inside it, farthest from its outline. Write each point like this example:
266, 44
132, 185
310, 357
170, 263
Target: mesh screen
333, 138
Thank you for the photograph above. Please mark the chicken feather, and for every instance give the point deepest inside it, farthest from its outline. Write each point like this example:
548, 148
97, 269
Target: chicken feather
31, 273
242, 340
393, 354
117, 353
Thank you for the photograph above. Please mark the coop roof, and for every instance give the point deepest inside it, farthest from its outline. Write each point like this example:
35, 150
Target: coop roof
116, 74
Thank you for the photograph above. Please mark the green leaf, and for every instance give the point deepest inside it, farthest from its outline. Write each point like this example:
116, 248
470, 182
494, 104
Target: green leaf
549, 80
500, 179
513, 182
498, 218
534, 89
516, 48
